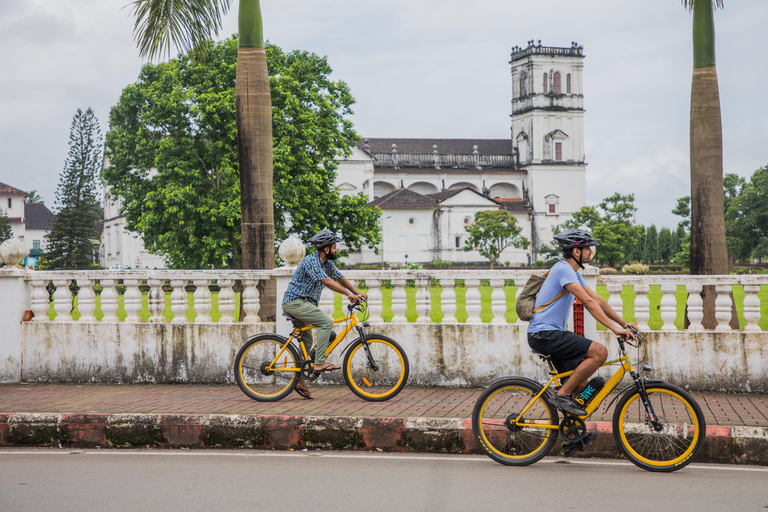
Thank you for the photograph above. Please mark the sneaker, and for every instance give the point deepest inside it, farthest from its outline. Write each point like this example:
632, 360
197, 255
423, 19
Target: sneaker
567, 404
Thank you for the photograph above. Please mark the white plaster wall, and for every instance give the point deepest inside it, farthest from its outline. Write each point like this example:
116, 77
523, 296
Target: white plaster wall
440, 355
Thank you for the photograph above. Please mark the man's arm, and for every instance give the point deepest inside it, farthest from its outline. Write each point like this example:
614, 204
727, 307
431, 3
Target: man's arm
596, 309
347, 289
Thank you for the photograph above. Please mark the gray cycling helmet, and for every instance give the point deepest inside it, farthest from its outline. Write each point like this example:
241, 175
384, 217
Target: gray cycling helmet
573, 238
324, 239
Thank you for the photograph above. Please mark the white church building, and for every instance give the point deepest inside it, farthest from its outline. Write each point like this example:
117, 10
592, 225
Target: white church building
430, 189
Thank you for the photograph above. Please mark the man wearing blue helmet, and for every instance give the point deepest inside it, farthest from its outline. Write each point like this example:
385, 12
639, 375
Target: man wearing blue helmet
303, 294
546, 330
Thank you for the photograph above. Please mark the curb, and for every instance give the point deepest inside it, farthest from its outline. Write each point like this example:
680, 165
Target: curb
723, 444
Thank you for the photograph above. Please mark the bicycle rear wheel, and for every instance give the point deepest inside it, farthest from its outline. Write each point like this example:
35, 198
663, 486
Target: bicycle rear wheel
381, 380
252, 372
506, 442
673, 446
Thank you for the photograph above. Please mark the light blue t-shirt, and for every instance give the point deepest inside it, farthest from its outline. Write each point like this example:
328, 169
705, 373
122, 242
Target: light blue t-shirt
555, 316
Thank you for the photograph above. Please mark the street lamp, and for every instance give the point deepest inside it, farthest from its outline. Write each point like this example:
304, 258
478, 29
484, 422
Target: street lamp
406, 260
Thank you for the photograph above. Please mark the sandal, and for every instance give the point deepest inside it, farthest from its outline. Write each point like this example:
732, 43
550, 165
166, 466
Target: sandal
328, 368
304, 392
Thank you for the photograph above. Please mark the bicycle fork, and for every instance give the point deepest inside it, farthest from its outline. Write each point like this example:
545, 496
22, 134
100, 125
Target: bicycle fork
654, 420
369, 357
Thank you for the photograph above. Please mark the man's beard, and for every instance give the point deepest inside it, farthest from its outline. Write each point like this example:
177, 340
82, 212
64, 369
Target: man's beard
332, 255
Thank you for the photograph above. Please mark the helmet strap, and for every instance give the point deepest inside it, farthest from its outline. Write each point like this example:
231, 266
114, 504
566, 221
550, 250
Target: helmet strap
581, 253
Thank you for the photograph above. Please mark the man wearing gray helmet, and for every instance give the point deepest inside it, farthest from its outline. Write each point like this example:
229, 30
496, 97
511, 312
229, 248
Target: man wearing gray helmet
303, 294
546, 330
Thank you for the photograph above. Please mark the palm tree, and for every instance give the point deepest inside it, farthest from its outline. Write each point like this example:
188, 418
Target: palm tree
709, 254
189, 25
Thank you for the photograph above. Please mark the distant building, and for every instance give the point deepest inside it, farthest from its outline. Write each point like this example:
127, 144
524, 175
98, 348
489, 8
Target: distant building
539, 174
31, 222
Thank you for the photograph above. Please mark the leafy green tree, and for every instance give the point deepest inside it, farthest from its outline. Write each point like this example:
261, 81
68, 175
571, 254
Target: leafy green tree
651, 246
665, 245
492, 232
683, 209
747, 217
71, 241
173, 156
6, 232
612, 223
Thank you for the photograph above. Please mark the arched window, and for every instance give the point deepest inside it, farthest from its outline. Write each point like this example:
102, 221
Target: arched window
546, 83
568, 83
556, 83
522, 84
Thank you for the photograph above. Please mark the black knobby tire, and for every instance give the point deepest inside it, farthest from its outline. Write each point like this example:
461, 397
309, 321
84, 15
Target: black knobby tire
676, 444
504, 442
390, 375
255, 380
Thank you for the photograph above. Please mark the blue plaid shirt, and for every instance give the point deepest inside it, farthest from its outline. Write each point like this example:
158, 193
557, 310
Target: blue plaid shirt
305, 283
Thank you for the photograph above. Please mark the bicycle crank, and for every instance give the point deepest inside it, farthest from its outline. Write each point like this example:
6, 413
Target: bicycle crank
308, 373
573, 429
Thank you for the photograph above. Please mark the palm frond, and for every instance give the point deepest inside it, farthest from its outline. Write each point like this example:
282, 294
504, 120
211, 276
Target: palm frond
688, 4
185, 24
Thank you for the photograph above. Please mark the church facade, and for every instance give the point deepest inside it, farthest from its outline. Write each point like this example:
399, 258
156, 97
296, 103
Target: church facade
430, 189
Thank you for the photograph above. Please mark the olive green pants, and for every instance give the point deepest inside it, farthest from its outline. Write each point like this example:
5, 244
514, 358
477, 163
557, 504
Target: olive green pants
309, 314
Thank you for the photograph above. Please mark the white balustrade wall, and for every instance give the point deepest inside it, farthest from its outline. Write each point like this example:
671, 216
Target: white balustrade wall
180, 326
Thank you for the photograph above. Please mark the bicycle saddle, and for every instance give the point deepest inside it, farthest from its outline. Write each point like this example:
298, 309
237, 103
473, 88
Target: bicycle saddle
290, 318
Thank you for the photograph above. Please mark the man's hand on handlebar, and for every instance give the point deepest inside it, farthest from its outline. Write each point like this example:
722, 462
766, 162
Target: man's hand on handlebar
628, 332
356, 298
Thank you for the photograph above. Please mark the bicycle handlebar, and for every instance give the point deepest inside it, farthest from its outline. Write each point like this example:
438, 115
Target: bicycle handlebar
356, 305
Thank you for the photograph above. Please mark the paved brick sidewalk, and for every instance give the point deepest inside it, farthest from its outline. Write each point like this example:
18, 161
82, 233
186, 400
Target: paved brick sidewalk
729, 409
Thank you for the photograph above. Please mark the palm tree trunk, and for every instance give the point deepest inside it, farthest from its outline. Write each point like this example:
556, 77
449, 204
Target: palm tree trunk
709, 254
254, 141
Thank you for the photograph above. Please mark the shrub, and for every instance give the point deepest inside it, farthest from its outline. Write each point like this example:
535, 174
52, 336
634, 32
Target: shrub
438, 263
608, 271
413, 266
635, 269
539, 263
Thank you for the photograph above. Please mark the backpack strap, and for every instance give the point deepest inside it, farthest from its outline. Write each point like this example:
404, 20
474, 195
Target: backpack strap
544, 306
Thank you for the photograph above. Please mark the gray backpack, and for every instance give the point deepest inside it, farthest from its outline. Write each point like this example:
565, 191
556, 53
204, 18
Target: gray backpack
526, 302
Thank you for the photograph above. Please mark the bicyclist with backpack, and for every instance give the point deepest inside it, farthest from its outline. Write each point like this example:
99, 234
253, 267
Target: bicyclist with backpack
546, 330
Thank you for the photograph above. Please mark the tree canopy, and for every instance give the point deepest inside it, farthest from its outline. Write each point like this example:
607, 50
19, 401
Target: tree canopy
492, 232
172, 155
612, 223
6, 232
71, 243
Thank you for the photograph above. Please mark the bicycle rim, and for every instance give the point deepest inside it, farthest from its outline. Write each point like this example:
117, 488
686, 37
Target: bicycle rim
260, 383
387, 379
669, 449
510, 444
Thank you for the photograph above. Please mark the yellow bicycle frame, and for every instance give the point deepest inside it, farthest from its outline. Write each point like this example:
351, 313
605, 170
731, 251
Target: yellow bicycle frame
592, 406
352, 318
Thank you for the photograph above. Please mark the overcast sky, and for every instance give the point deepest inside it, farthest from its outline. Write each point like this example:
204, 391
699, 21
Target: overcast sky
423, 69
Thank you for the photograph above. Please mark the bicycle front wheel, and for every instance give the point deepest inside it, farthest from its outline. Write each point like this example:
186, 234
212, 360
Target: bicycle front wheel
669, 446
376, 370
503, 440
262, 377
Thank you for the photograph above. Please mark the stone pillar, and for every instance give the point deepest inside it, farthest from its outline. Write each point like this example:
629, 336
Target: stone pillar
15, 298
291, 251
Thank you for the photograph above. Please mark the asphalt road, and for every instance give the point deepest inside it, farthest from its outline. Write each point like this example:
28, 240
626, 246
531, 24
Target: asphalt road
190, 480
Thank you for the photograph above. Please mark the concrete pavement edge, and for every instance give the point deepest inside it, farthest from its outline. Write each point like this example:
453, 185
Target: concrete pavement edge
723, 444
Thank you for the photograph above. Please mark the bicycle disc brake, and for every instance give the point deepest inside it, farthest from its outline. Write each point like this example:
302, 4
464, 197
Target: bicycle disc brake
573, 429
511, 425
308, 373
264, 369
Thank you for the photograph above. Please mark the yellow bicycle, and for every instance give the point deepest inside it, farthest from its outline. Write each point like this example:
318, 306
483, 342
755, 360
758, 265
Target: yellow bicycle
375, 368
656, 425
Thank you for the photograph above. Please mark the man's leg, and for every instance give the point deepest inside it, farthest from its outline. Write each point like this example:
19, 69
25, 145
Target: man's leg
596, 356
311, 314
